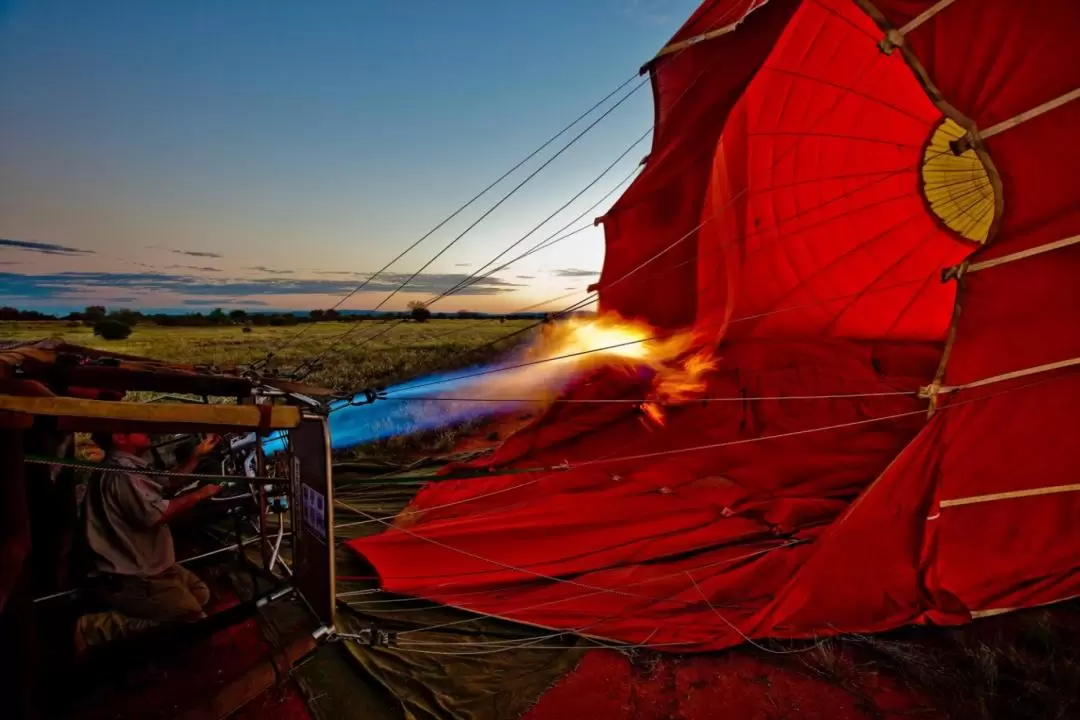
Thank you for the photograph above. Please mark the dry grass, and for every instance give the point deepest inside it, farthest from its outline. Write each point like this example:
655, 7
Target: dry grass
405, 351
1023, 666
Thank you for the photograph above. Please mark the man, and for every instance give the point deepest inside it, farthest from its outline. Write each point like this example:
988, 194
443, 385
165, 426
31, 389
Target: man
131, 547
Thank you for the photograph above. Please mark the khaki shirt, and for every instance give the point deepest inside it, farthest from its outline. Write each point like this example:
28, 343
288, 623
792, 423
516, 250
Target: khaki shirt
121, 512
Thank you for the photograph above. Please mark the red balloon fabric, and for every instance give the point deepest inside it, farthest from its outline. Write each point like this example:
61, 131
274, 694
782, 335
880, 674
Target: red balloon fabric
886, 442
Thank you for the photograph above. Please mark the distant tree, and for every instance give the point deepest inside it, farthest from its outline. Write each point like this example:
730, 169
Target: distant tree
94, 313
217, 317
128, 317
260, 319
283, 319
168, 320
332, 315
317, 315
32, 315
112, 330
419, 312
9, 313
238, 316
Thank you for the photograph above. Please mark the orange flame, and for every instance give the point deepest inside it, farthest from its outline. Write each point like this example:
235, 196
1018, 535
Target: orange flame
679, 369
569, 347
654, 412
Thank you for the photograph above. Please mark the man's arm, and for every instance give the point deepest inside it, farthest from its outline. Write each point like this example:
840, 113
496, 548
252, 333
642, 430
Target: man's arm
181, 504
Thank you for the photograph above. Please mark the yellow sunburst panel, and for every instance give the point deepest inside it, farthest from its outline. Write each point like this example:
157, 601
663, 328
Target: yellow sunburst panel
957, 187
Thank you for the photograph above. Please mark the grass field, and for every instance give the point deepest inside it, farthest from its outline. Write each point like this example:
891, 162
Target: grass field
401, 352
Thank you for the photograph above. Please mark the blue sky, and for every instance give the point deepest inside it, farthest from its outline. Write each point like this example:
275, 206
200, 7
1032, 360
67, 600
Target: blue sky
159, 153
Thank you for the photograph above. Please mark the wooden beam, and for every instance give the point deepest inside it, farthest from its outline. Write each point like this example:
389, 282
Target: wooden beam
103, 414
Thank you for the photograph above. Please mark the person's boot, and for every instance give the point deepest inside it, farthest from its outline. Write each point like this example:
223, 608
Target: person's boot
96, 629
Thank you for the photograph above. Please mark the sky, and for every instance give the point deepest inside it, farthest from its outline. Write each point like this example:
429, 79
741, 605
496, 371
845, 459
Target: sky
275, 153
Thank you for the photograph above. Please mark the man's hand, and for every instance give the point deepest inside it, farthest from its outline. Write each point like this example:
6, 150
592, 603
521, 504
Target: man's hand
209, 491
201, 450
207, 445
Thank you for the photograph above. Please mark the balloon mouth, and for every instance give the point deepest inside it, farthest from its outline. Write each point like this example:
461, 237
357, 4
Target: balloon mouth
957, 186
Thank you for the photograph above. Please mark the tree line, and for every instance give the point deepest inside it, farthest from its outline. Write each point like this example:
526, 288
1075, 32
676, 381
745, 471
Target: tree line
94, 314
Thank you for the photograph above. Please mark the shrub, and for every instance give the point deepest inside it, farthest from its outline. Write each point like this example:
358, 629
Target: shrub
419, 311
112, 330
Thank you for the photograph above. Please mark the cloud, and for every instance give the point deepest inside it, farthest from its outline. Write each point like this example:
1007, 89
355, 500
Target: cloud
189, 267
272, 271
526, 277
120, 300
222, 302
463, 264
76, 284
573, 272
44, 248
192, 253
335, 272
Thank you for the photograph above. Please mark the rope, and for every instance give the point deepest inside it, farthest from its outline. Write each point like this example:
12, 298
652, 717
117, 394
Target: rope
747, 441
1009, 495
678, 47
679, 99
548, 603
1030, 114
1048, 367
492, 209
663, 403
660, 336
504, 642
465, 283
227, 548
592, 297
84, 465
595, 296
688, 573
896, 38
289, 342
582, 116
475, 277
727, 561
926, 15
964, 269
497, 563
643, 646
410, 513
746, 638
